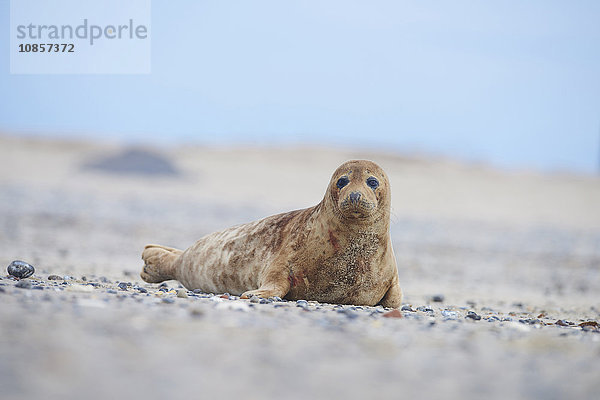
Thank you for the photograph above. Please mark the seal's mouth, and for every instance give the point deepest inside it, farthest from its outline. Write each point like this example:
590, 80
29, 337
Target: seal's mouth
356, 209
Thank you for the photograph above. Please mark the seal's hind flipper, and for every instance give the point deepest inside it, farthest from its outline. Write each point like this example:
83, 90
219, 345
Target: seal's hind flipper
159, 263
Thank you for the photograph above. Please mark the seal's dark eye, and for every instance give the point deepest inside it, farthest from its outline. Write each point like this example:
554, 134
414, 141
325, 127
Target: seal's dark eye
373, 183
343, 181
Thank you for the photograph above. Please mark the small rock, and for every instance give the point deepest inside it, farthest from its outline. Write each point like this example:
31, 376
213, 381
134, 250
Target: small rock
447, 314
276, 298
531, 321
182, 293
473, 315
197, 291
425, 309
142, 290
437, 298
163, 285
122, 286
225, 296
55, 278
23, 285
254, 299
407, 308
562, 322
302, 303
493, 318
589, 326
20, 269
393, 314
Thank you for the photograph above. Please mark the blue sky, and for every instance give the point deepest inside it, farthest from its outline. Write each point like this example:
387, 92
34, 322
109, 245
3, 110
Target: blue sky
512, 83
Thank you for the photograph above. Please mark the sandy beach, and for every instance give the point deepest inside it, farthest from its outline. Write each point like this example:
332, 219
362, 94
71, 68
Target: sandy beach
500, 272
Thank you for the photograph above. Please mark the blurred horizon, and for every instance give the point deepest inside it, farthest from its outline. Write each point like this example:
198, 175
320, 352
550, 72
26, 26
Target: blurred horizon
512, 84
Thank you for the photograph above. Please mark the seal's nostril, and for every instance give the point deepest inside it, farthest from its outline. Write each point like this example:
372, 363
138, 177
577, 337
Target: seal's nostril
354, 197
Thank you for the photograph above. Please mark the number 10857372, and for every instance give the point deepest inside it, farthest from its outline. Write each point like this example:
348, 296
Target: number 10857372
46, 48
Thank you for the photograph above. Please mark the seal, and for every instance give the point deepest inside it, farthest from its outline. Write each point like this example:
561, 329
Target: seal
338, 251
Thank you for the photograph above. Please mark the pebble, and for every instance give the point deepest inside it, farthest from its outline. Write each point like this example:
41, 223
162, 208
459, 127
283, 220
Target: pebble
438, 298
425, 309
493, 318
198, 291
182, 293
163, 285
407, 308
473, 315
54, 278
122, 286
254, 299
447, 314
20, 269
531, 321
142, 290
302, 304
23, 285
393, 314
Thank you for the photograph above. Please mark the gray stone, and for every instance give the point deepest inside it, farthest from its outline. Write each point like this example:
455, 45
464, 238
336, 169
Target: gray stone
302, 303
473, 315
20, 269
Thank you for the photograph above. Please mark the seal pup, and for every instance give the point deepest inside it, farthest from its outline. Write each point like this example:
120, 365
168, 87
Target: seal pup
338, 251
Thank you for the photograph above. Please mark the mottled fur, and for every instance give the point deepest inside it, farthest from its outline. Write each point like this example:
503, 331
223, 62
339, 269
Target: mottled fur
338, 251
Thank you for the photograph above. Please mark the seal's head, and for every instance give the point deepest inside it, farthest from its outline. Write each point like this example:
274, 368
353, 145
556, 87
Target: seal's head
360, 191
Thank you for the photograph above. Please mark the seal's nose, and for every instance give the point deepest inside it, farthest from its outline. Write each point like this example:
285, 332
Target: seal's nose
354, 197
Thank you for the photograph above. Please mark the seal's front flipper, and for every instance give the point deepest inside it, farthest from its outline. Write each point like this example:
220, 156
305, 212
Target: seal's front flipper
274, 284
393, 297
159, 263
